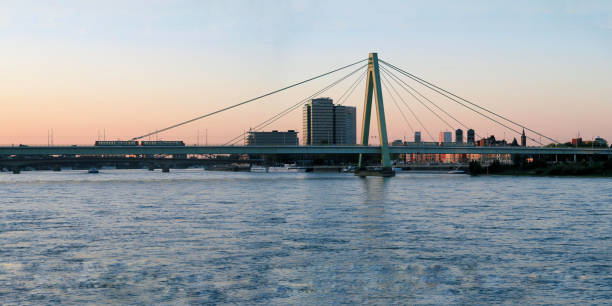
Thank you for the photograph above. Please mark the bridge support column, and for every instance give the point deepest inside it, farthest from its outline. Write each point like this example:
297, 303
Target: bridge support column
165, 168
16, 170
374, 90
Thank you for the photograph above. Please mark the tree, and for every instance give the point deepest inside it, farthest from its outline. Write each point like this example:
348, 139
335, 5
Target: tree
475, 168
518, 160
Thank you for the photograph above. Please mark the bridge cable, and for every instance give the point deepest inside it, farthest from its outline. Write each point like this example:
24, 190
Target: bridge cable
412, 112
510, 128
351, 88
441, 90
397, 106
340, 102
480, 113
421, 81
245, 102
293, 107
424, 105
405, 86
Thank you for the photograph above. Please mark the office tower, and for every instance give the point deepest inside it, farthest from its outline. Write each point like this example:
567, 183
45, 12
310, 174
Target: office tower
459, 136
470, 136
318, 122
326, 123
351, 124
417, 136
445, 137
345, 124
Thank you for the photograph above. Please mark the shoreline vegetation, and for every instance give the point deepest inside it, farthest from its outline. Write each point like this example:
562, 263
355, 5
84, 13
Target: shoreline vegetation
543, 168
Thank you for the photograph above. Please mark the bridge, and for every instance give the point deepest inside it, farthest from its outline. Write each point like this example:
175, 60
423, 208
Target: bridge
324, 149
378, 73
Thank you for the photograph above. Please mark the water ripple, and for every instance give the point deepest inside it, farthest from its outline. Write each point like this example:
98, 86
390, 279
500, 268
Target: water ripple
194, 237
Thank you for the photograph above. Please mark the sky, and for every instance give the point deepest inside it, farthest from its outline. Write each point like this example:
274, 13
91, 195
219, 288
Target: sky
86, 70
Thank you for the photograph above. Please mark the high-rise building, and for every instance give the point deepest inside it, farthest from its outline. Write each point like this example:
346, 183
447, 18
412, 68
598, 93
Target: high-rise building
417, 136
306, 135
345, 124
272, 138
351, 125
470, 136
326, 123
338, 132
446, 137
459, 136
318, 122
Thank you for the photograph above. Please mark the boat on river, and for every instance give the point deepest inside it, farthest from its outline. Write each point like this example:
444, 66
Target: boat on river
259, 169
291, 168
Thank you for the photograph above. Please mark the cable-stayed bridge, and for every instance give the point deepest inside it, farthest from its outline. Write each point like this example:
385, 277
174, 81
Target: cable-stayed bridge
323, 149
378, 74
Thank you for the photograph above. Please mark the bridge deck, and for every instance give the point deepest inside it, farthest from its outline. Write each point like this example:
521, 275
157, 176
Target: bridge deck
129, 150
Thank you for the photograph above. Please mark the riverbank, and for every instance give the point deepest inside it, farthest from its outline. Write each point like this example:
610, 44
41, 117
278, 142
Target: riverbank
581, 169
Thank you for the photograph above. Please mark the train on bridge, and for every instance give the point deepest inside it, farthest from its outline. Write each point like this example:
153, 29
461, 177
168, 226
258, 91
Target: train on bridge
144, 143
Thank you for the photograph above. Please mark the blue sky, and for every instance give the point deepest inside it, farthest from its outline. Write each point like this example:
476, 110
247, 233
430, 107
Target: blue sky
545, 63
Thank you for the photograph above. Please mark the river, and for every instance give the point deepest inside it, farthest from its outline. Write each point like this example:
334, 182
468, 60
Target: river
197, 237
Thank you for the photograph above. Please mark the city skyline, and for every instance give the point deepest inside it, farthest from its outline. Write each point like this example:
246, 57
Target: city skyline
291, 152
87, 68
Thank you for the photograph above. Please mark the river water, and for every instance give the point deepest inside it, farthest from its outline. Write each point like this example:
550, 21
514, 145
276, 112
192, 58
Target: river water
197, 237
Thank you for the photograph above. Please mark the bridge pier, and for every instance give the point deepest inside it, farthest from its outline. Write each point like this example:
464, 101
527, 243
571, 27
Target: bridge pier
16, 170
165, 169
384, 172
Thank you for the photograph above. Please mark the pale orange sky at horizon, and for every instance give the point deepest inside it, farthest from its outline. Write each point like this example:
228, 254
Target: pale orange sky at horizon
91, 68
